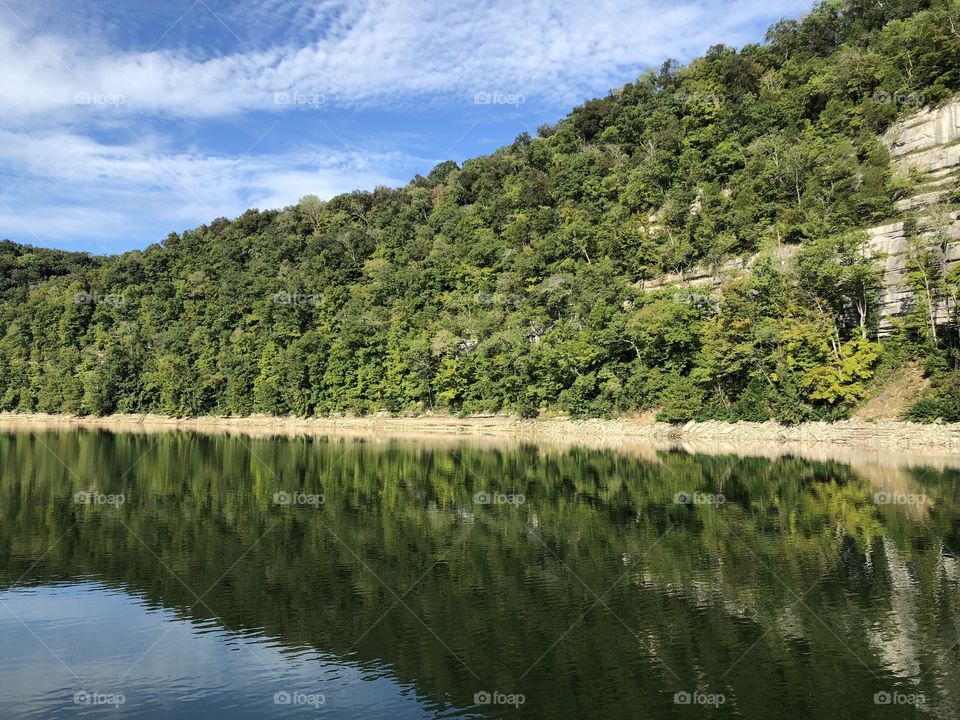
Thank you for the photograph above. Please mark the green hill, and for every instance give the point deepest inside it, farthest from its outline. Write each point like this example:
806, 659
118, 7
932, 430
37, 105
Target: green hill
516, 282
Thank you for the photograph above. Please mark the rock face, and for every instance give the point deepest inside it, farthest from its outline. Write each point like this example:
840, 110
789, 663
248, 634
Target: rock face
713, 278
927, 141
892, 242
924, 146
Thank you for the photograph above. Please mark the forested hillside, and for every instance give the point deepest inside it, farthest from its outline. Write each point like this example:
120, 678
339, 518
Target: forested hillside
22, 267
516, 282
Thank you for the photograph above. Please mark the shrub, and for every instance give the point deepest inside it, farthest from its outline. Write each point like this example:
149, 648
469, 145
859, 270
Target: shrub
682, 400
941, 401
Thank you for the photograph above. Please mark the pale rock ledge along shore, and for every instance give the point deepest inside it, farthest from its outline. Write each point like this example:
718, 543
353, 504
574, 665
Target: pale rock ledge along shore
875, 435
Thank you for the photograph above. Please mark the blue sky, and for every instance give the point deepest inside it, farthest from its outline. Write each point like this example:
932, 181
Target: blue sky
126, 120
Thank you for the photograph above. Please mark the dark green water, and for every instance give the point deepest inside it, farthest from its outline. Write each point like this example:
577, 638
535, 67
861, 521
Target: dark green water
185, 586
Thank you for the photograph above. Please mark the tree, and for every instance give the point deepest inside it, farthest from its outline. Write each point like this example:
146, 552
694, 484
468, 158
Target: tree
312, 208
841, 275
926, 276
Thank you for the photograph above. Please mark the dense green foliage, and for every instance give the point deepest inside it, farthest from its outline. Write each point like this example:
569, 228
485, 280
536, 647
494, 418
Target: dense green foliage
22, 267
516, 282
942, 401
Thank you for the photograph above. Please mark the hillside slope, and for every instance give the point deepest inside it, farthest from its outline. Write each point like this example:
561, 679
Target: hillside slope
521, 280
924, 152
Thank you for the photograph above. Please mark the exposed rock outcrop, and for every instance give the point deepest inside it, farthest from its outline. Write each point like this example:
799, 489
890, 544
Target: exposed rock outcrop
924, 147
928, 141
892, 242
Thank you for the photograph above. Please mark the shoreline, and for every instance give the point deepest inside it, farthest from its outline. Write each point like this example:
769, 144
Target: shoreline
941, 440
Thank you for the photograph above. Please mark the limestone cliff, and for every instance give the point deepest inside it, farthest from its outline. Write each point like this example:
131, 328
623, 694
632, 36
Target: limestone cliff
924, 148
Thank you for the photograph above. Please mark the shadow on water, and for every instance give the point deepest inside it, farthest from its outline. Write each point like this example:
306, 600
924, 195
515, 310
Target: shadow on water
591, 582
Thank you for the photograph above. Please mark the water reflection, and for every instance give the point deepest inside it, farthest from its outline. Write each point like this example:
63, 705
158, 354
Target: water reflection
408, 580
116, 653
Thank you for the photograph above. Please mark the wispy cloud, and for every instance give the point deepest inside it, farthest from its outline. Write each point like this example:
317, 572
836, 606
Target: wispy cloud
79, 75
71, 187
373, 53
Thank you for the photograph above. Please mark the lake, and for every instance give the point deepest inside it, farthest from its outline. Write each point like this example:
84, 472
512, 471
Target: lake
188, 575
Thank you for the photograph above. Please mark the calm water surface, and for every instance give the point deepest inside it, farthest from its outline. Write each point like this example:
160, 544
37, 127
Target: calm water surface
184, 575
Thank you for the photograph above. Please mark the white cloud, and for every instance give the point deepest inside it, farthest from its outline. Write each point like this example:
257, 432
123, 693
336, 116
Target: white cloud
374, 53
74, 187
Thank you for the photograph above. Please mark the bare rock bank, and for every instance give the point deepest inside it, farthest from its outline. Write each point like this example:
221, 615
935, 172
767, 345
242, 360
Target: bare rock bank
876, 435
